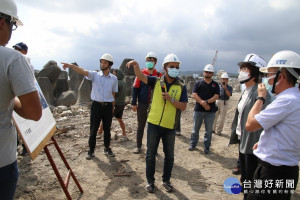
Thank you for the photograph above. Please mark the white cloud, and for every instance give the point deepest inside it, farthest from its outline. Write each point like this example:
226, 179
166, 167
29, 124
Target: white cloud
80, 31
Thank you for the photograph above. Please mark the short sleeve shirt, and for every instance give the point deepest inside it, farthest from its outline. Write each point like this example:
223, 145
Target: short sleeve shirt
103, 86
16, 79
279, 142
206, 91
223, 96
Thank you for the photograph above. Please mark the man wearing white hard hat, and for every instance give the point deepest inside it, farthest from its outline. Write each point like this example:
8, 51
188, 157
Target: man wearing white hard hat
205, 92
141, 92
104, 88
18, 93
222, 103
169, 95
278, 148
249, 75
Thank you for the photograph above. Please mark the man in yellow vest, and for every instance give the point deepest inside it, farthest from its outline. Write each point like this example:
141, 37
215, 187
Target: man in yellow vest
169, 96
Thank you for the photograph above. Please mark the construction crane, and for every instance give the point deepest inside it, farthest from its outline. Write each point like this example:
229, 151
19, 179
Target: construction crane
214, 61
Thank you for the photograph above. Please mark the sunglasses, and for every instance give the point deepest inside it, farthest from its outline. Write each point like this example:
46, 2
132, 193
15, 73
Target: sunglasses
207, 72
12, 23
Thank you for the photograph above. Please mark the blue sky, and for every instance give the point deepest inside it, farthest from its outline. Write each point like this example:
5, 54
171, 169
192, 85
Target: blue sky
83, 30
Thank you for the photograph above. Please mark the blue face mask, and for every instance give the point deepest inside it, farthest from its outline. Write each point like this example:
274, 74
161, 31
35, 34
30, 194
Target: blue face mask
266, 82
149, 65
173, 72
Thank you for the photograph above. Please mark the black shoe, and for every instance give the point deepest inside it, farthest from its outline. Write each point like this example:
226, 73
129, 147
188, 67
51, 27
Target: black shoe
206, 151
168, 187
150, 188
137, 150
108, 152
191, 148
90, 155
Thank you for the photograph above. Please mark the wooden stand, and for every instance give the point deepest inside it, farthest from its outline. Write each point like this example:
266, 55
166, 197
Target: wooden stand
64, 184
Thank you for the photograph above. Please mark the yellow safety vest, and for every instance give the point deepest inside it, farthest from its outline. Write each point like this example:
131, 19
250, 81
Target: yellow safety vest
163, 112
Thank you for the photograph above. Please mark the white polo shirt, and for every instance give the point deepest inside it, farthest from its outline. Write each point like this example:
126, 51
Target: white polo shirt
279, 143
103, 86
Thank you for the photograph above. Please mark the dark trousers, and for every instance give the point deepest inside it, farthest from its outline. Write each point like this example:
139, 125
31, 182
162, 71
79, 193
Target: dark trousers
177, 121
248, 164
100, 111
8, 180
267, 172
142, 118
154, 133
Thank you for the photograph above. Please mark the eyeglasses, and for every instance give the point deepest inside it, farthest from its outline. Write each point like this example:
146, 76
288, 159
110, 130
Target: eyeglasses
12, 23
208, 72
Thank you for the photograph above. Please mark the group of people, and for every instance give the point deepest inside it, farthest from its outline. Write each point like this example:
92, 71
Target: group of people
158, 98
266, 128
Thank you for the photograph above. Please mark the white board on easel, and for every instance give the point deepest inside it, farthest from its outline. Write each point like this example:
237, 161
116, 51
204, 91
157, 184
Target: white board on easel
36, 134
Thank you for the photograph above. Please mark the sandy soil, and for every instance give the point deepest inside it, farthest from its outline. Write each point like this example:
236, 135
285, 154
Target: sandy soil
195, 175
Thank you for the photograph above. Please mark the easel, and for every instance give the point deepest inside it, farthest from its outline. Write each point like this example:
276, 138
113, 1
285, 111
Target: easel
64, 184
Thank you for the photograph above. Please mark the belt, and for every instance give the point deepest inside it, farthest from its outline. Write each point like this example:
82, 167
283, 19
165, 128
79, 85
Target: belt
103, 103
264, 163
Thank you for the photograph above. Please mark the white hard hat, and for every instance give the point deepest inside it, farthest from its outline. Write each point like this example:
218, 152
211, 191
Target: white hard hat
209, 68
171, 58
286, 59
224, 75
151, 55
9, 7
107, 57
255, 60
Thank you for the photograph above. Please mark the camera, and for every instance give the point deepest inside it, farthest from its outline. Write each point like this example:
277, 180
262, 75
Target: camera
223, 83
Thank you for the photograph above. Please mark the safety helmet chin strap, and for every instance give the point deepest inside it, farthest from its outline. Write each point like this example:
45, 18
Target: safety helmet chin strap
275, 81
248, 79
105, 68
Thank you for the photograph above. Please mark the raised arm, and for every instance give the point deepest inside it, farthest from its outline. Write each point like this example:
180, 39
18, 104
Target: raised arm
138, 72
77, 69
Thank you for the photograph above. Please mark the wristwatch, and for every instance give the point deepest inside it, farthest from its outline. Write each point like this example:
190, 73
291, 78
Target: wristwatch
261, 98
172, 100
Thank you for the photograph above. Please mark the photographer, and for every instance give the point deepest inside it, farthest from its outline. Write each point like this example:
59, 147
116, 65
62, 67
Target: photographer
222, 103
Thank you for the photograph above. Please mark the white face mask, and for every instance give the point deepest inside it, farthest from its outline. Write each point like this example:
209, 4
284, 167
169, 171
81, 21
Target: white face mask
243, 76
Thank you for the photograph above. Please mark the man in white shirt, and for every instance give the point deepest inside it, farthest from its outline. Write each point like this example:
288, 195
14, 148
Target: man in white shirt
278, 148
104, 87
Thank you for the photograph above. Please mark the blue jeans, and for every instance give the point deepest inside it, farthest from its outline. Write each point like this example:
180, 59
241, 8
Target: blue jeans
208, 121
154, 133
8, 180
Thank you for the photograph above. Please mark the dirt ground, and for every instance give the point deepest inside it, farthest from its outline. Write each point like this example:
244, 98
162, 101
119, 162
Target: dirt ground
195, 175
